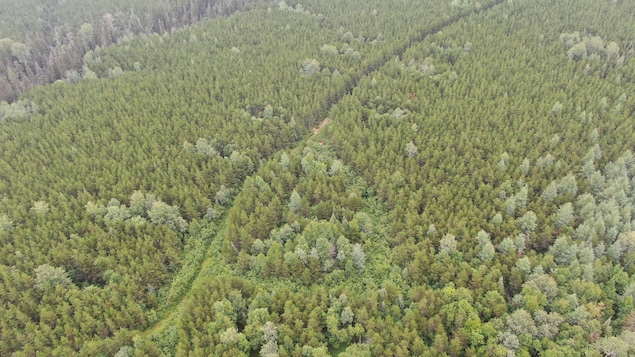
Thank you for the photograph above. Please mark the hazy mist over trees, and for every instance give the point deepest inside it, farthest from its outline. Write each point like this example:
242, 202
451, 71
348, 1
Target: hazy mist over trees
316, 178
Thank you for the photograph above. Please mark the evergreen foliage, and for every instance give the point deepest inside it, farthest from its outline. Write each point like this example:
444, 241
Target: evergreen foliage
468, 187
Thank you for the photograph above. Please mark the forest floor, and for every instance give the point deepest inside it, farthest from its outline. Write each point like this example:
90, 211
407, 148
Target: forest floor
319, 128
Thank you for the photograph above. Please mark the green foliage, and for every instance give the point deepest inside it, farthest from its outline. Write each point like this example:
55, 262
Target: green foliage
44, 42
295, 202
40, 208
5, 223
48, 277
527, 223
17, 111
446, 206
310, 67
565, 215
411, 150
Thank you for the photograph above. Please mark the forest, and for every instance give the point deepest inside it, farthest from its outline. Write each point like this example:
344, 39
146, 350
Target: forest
317, 178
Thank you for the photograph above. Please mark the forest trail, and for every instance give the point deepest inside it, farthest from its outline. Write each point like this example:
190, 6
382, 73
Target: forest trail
206, 267
319, 128
214, 247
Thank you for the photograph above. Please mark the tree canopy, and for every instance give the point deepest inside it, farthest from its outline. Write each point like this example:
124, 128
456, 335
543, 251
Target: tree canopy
317, 178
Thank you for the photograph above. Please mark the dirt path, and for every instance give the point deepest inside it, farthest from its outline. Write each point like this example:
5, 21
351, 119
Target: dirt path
319, 128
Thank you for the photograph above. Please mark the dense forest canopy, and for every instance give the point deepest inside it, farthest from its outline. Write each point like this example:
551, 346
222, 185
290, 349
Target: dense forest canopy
45, 41
317, 178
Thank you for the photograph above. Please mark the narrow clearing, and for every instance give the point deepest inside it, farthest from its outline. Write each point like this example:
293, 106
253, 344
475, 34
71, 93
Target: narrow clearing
319, 128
